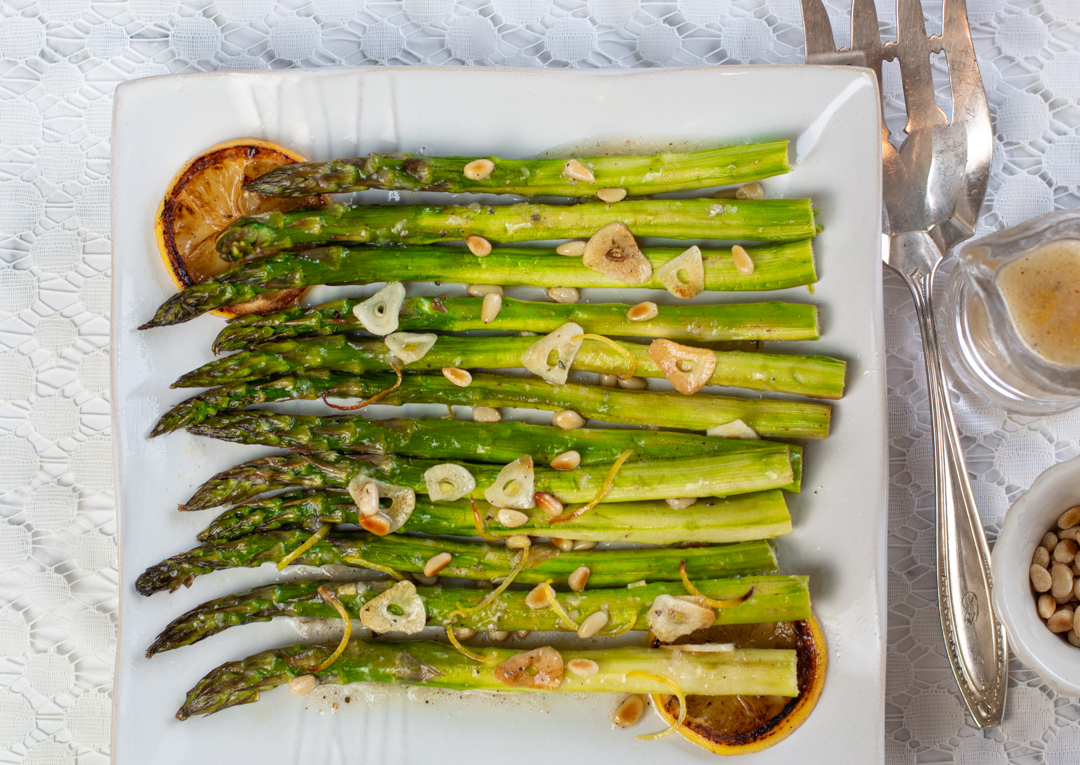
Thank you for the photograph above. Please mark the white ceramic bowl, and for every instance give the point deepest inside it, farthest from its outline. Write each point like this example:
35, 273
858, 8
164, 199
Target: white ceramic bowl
1036, 512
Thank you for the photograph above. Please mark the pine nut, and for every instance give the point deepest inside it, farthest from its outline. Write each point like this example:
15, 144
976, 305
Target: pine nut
1075, 567
583, 667
634, 383
537, 598
1076, 586
596, 621
549, 503
377, 524
458, 377
480, 290
1076, 621
576, 171
512, 519
426, 581
578, 578
611, 195
490, 308
464, 633
1061, 578
583, 545
680, 504
1074, 638
437, 563
743, 264
643, 311
517, 542
1069, 518
485, 414
1049, 541
521, 634
566, 461
302, 685
1041, 557
497, 636
563, 294
629, 711
575, 249
479, 169
1062, 620
1066, 550
1040, 578
566, 545
478, 245
609, 381
1047, 606
567, 419
750, 191
1069, 533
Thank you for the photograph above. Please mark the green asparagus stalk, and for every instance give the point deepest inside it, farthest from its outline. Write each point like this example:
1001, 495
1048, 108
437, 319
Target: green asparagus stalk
817, 376
781, 419
499, 442
766, 220
717, 475
775, 598
762, 515
776, 266
470, 560
747, 671
639, 176
725, 322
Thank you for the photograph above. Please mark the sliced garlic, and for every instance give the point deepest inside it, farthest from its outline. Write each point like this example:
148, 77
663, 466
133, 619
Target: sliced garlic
539, 668
687, 369
670, 617
379, 313
448, 482
514, 486
402, 502
612, 251
684, 276
409, 346
399, 609
681, 503
733, 429
550, 357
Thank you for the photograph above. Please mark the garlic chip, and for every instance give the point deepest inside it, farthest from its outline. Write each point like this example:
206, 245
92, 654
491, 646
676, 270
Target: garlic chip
550, 357
687, 369
733, 429
670, 617
409, 346
539, 668
379, 313
402, 500
613, 252
684, 276
399, 609
515, 485
447, 482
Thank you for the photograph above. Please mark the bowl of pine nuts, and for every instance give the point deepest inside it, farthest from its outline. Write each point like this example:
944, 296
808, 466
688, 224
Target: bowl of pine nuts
1036, 569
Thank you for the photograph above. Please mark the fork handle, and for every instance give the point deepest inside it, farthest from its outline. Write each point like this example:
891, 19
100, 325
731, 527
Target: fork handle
974, 638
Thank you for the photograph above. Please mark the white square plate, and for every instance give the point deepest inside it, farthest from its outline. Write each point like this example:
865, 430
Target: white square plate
831, 116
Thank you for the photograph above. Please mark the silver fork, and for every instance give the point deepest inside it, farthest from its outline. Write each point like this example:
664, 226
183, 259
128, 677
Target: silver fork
933, 189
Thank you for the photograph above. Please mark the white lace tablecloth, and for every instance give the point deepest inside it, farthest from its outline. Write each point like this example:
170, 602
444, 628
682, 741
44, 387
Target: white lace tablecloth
59, 63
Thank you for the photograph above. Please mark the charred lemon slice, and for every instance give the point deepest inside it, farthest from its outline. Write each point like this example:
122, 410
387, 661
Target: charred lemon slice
743, 724
208, 194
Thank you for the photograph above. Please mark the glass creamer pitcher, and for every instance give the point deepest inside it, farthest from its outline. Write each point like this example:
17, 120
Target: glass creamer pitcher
1009, 315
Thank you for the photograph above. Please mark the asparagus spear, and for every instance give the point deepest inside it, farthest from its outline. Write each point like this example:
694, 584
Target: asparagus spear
776, 266
748, 671
775, 598
762, 515
715, 475
471, 560
704, 323
818, 376
529, 177
766, 220
782, 419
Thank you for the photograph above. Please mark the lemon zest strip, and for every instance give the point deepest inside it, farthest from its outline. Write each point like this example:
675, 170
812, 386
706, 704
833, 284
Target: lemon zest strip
609, 481
465, 651
677, 691
308, 544
479, 523
710, 602
630, 358
371, 400
556, 606
329, 598
358, 561
491, 596
621, 630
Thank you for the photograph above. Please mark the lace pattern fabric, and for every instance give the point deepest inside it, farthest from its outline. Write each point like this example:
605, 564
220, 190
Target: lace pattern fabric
60, 61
